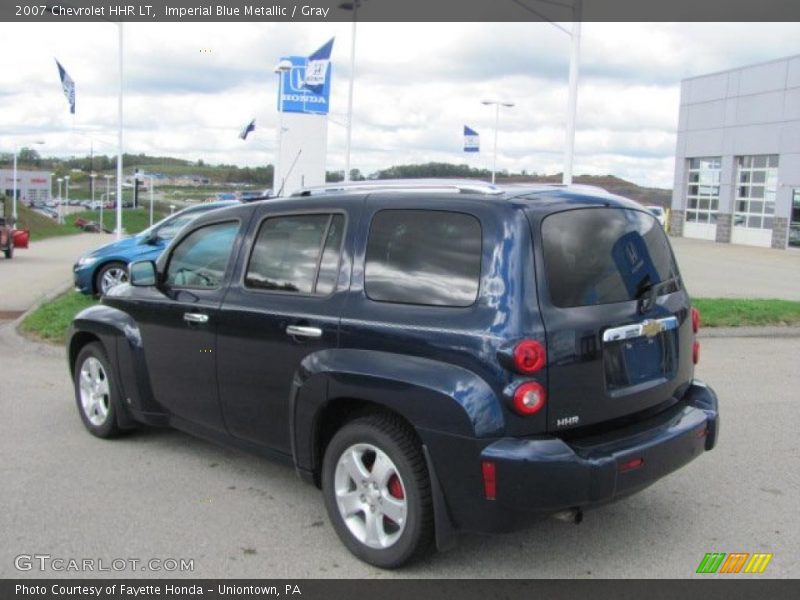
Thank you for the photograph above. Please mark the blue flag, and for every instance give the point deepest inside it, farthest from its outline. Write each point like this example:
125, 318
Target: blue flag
68, 86
251, 126
317, 68
472, 141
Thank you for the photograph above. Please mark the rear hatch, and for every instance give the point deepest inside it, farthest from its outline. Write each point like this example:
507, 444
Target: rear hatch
616, 315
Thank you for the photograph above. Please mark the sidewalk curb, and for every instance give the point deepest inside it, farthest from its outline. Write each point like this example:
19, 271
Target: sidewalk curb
771, 331
51, 295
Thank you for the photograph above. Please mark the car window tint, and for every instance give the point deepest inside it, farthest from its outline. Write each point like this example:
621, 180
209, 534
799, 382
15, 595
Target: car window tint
200, 260
286, 254
423, 257
329, 265
605, 255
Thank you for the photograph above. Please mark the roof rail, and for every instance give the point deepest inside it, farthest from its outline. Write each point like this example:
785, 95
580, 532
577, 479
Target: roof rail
544, 185
467, 186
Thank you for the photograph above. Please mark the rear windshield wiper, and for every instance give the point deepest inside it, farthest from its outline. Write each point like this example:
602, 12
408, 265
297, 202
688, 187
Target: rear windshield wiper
647, 292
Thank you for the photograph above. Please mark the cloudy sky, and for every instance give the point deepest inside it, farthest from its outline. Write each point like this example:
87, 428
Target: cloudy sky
190, 88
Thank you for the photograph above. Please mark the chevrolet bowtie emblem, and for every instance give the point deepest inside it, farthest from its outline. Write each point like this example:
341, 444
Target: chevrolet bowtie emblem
651, 328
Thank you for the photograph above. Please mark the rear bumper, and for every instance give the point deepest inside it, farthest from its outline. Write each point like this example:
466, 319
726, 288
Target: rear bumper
547, 474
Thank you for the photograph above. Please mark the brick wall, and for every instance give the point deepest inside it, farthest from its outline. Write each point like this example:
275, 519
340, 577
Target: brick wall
724, 228
676, 222
780, 233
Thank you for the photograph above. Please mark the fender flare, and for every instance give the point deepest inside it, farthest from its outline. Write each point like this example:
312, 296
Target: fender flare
121, 339
465, 404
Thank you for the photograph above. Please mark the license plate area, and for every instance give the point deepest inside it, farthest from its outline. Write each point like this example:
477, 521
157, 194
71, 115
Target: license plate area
636, 361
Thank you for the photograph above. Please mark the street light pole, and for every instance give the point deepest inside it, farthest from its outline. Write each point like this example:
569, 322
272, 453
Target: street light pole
93, 176
352, 5
152, 181
66, 191
108, 195
497, 104
60, 179
572, 101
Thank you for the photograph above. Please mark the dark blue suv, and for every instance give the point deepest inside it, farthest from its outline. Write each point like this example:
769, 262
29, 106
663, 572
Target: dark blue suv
436, 356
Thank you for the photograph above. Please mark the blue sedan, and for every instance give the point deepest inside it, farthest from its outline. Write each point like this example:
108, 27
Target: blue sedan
107, 266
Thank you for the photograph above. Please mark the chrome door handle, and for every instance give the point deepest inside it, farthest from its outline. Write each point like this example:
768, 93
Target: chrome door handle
195, 318
304, 331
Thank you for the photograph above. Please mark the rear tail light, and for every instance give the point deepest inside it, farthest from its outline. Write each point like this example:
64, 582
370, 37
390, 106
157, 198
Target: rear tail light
695, 329
489, 479
695, 320
529, 398
529, 356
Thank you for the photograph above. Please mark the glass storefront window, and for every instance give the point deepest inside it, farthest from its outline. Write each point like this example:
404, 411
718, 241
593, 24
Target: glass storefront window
702, 198
755, 196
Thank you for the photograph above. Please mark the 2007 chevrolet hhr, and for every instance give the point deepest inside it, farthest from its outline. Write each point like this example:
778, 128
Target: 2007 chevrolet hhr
436, 356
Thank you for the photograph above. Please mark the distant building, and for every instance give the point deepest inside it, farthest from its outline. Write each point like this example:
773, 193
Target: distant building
737, 162
32, 186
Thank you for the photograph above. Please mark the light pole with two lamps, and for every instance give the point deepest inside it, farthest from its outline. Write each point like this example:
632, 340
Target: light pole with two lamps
497, 104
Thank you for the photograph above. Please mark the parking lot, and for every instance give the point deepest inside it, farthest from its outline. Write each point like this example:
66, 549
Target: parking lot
714, 270
165, 495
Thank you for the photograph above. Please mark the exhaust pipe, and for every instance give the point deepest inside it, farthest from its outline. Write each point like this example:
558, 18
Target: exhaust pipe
573, 515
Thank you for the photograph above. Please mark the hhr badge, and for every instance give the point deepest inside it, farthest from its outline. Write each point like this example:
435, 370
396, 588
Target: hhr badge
567, 421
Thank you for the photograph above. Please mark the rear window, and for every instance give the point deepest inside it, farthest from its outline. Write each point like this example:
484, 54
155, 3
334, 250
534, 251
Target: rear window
604, 255
423, 257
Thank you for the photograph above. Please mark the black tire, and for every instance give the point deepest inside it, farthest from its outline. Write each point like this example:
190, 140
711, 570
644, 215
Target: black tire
101, 272
392, 437
106, 427
9, 251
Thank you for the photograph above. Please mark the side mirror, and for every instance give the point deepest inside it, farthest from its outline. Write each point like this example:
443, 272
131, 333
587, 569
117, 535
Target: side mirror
142, 273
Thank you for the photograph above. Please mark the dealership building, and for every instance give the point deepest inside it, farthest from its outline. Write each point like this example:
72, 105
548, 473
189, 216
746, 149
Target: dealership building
32, 186
737, 162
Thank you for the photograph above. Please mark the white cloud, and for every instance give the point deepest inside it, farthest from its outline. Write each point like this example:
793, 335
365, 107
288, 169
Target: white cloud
191, 87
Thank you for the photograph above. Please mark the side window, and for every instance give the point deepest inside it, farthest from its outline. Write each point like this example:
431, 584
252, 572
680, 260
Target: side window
297, 253
200, 260
423, 257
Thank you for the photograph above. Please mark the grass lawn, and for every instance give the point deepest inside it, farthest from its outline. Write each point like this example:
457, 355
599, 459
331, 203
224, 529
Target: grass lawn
733, 312
50, 321
133, 220
42, 227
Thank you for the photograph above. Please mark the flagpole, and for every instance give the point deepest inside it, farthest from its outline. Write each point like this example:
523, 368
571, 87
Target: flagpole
284, 66
119, 139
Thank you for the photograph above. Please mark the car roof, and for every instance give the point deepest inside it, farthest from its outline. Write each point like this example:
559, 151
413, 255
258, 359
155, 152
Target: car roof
208, 206
539, 198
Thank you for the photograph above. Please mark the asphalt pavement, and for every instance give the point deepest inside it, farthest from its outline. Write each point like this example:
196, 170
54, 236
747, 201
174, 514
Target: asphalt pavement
165, 495
161, 494
712, 270
44, 267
